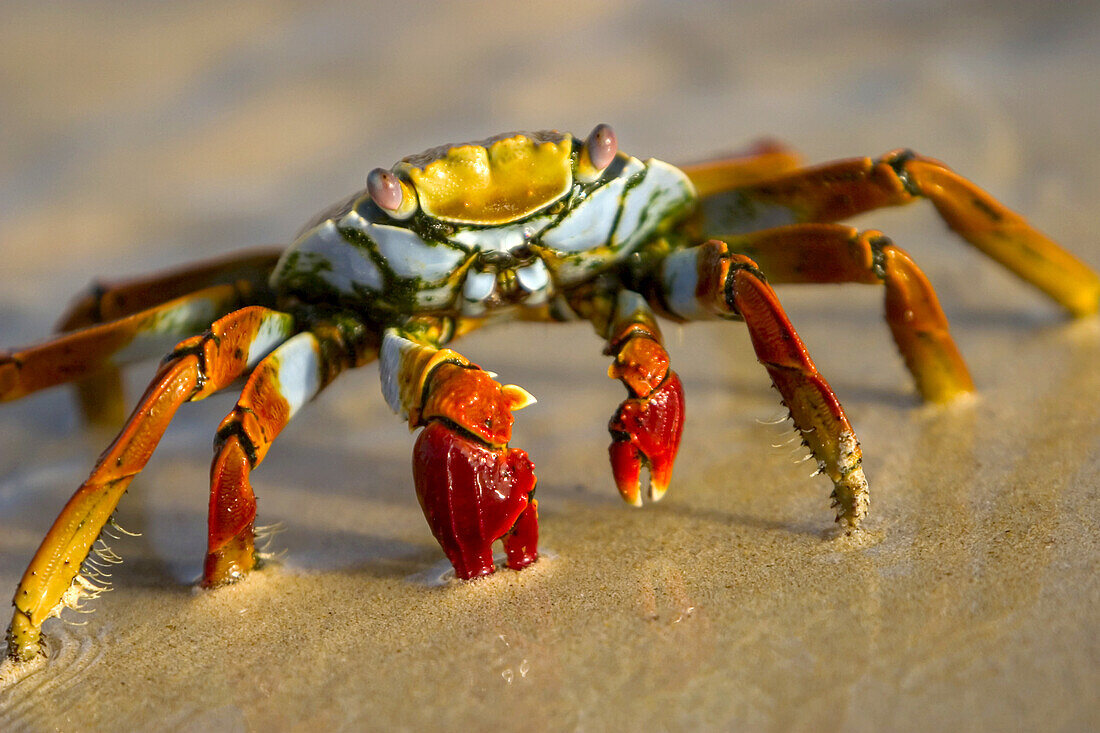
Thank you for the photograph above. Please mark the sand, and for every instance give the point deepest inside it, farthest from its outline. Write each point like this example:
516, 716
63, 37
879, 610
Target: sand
136, 137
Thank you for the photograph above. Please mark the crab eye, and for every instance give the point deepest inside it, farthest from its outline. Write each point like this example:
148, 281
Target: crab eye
599, 151
391, 194
602, 146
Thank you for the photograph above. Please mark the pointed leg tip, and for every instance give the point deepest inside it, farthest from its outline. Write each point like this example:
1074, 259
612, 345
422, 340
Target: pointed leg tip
947, 390
1086, 304
957, 399
660, 476
25, 642
220, 580
229, 564
657, 492
629, 489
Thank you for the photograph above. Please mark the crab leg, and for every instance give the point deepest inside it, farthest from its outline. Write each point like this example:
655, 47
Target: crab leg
85, 352
108, 301
708, 281
57, 577
762, 160
100, 394
473, 488
285, 380
839, 190
647, 426
833, 253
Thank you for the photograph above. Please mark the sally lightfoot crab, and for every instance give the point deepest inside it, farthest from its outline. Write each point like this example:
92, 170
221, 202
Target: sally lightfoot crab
536, 226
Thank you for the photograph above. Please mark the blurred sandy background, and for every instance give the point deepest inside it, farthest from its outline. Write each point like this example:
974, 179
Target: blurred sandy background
139, 135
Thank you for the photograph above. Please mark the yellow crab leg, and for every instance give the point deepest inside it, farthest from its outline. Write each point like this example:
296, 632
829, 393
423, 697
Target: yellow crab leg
833, 253
842, 189
200, 366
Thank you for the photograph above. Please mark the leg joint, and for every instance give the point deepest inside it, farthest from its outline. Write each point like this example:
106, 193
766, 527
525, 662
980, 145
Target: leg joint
234, 427
879, 243
898, 160
738, 264
429, 384
195, 348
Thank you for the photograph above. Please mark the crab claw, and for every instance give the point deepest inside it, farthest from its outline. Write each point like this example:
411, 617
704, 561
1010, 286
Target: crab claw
646, 431
473, 494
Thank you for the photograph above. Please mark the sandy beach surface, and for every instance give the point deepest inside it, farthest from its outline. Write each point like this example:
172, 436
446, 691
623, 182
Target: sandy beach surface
137, 136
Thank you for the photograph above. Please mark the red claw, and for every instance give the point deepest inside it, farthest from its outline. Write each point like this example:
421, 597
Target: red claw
472, 495
647, 431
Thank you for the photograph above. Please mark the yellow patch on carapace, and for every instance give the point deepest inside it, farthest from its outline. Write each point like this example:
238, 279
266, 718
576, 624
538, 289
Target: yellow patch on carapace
494, 181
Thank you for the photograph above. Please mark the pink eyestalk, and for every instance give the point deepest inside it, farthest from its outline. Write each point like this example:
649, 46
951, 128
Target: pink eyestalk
391, 194
599, 150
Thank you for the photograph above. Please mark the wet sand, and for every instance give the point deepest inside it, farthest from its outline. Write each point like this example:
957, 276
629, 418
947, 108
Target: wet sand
137, 138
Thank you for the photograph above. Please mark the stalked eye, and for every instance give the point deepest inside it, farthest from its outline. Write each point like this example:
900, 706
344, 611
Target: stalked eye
602, 146
599, 151
391, 194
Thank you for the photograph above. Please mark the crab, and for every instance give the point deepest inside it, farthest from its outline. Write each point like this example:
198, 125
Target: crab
535, 226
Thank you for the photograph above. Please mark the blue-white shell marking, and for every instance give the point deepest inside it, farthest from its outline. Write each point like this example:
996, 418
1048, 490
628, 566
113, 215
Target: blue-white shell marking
358, 255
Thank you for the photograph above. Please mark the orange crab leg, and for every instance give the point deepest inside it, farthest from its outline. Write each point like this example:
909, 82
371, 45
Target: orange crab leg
279, 385
473, 488
762, 160
108, 301
647, 427
721, 284
57, 578
100, 394
833, 253
839, 190
87, 351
